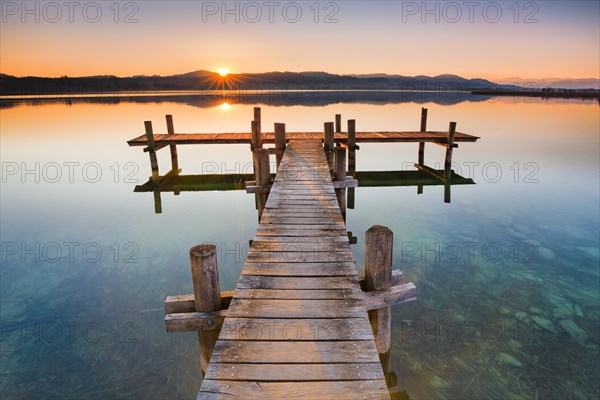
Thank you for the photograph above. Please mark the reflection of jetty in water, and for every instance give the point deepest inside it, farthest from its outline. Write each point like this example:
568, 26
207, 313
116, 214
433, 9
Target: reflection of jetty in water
222, 182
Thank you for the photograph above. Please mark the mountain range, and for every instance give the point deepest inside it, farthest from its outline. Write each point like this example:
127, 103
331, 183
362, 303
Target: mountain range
293, 81
554, 83
208, 80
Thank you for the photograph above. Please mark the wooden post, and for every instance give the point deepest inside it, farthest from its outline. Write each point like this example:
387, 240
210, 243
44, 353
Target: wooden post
329, 143
450, 146
338, 123
423, 129
352, 146
447, 191
256, 141
262, 174
351, 198
157, 200
340, 175
257, 118
152, 151
378, 276
171, 131
280, 142
207, 296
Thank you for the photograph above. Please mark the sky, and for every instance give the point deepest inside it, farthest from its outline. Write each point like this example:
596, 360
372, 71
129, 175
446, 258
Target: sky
492, 40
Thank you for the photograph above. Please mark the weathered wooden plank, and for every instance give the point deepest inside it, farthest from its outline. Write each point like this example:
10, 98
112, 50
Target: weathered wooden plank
298, 256
328, 390
261, 308
278, 329
296, 282
301, 212
328, 219
294, 372
314, 202
348, 182
301, 239
195, 321
293, 194
305, 227
301, 232
299, 269
185, 302
390, 297
293, 352
300, 294
312, 246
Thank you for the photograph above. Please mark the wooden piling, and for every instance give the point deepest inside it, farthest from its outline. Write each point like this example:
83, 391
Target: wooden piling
423, 129
449, 147
378, 276
256, 140
340, 175
338, 123
262, 174
207, 296
257, 118
352, 146
171, 131
329, 143
152, 151
447, 191
157, 200
280, 142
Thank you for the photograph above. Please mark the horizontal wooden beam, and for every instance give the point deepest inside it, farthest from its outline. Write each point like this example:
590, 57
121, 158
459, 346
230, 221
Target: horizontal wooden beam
269, 137
445, 145
349, 182
397, 279
184, 303
156, 147
195, 321
257, 188
432, 172
395, 295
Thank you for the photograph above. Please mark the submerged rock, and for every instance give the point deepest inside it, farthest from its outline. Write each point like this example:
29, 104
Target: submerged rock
578, 310
535, 310
520, 315
544, 323
508, 359
564, 311
570, 327
504, 310
546, 253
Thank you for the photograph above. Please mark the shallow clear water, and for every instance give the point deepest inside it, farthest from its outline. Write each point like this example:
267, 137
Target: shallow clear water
507, 274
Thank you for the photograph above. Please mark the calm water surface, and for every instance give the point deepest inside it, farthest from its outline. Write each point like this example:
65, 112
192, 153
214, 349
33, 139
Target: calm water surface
507, 275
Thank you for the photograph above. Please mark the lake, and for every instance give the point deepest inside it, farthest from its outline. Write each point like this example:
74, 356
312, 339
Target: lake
507, 274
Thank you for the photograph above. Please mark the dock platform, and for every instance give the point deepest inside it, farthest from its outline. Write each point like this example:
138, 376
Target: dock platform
269, 137
297, 326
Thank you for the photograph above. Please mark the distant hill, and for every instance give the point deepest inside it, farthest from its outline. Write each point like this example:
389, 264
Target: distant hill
207, 80
554, 83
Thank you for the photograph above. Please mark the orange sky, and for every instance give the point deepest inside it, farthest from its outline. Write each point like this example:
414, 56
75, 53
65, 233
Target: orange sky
494, 40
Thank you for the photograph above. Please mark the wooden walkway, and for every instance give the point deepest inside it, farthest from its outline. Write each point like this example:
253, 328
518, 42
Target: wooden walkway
297, 326
361, 137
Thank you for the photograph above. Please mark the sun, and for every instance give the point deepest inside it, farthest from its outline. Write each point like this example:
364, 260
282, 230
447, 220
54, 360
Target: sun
223, 71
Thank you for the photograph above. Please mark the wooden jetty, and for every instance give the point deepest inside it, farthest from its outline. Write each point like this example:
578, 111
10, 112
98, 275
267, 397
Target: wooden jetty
301, 323
332, 136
